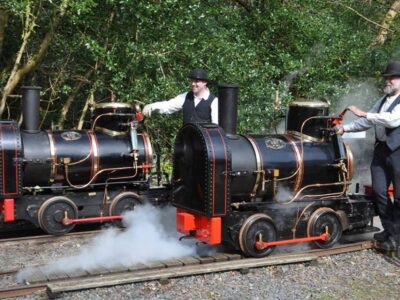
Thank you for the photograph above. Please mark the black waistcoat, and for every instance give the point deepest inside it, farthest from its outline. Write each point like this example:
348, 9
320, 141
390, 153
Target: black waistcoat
199, 114
392, 134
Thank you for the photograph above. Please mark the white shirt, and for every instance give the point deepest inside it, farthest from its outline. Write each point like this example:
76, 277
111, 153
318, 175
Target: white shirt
381, 119
176, 104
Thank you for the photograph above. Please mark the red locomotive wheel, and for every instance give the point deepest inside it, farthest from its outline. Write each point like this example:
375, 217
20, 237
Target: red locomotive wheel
256, 226
323, 219
52, 212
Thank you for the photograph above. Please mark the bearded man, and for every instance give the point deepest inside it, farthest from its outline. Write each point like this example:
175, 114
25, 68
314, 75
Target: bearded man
385, 166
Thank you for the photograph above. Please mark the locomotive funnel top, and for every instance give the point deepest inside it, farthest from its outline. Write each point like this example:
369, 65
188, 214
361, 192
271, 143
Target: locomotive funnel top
309, 104
228, 95
30, 108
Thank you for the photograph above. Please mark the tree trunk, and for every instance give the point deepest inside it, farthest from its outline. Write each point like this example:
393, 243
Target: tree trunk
71, 98
18, 72
386, 23
3, 26
89, 101
90, 98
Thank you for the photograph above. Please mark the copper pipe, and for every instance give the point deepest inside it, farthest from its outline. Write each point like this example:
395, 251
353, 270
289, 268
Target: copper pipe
135, 167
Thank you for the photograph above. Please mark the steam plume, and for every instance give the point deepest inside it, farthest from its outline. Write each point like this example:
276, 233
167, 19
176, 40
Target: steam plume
150, 235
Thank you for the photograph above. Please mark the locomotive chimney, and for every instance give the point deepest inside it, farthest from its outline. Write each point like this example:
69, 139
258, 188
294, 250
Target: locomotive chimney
30, 108
227, 107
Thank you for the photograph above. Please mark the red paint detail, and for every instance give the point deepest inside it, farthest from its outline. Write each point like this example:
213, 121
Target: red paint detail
262, 245
145, 167
67, 221
339, 119
139, 116
185, 222
207, 230
370, 192
336, 122
8, 210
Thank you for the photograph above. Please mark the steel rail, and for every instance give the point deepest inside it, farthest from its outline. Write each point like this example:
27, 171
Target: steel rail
20, 291
44, 238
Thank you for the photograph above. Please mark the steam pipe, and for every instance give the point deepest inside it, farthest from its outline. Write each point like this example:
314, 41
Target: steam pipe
30, 108
228, 95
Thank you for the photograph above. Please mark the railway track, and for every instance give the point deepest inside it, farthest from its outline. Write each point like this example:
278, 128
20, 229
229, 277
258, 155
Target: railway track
59, 282
37, 239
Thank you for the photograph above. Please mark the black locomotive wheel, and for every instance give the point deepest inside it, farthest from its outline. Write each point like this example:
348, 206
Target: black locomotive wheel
123, 202
257, 227
52, 212
325, 220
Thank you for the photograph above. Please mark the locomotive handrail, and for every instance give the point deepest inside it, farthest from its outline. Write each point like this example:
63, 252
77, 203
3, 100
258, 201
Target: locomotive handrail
109, 114
135, 167
55, 187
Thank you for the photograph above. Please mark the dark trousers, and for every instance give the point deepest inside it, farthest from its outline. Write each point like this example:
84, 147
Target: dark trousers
385, 170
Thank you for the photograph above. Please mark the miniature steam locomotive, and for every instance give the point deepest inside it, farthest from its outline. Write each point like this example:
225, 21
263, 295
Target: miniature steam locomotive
56, 179
255, 192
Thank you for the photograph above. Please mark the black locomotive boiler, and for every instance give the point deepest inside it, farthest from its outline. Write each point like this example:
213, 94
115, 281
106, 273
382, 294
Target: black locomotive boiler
255, 192
56, 179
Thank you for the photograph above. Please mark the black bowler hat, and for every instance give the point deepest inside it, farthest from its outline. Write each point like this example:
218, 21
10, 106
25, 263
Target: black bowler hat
392, 69
198, 74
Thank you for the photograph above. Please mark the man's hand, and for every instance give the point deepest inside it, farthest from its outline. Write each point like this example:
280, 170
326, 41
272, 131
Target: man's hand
147, 110
339, 130
358, 112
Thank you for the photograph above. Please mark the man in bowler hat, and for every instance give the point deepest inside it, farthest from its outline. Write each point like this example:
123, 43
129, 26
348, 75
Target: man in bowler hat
385, 166
198, 105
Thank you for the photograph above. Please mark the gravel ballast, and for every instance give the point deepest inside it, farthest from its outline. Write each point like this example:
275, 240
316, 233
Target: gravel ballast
359, 275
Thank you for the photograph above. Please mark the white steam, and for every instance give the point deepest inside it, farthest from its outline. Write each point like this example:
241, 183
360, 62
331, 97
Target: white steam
150, 235
283, 194
363, 95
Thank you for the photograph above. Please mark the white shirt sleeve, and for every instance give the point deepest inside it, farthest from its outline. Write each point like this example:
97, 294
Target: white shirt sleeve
386, 119
169, 106
362, 124
214, 111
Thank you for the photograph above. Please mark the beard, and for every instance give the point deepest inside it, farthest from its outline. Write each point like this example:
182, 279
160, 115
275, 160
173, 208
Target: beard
391, 89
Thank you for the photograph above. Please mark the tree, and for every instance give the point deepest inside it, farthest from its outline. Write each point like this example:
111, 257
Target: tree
19, 69
386, 24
